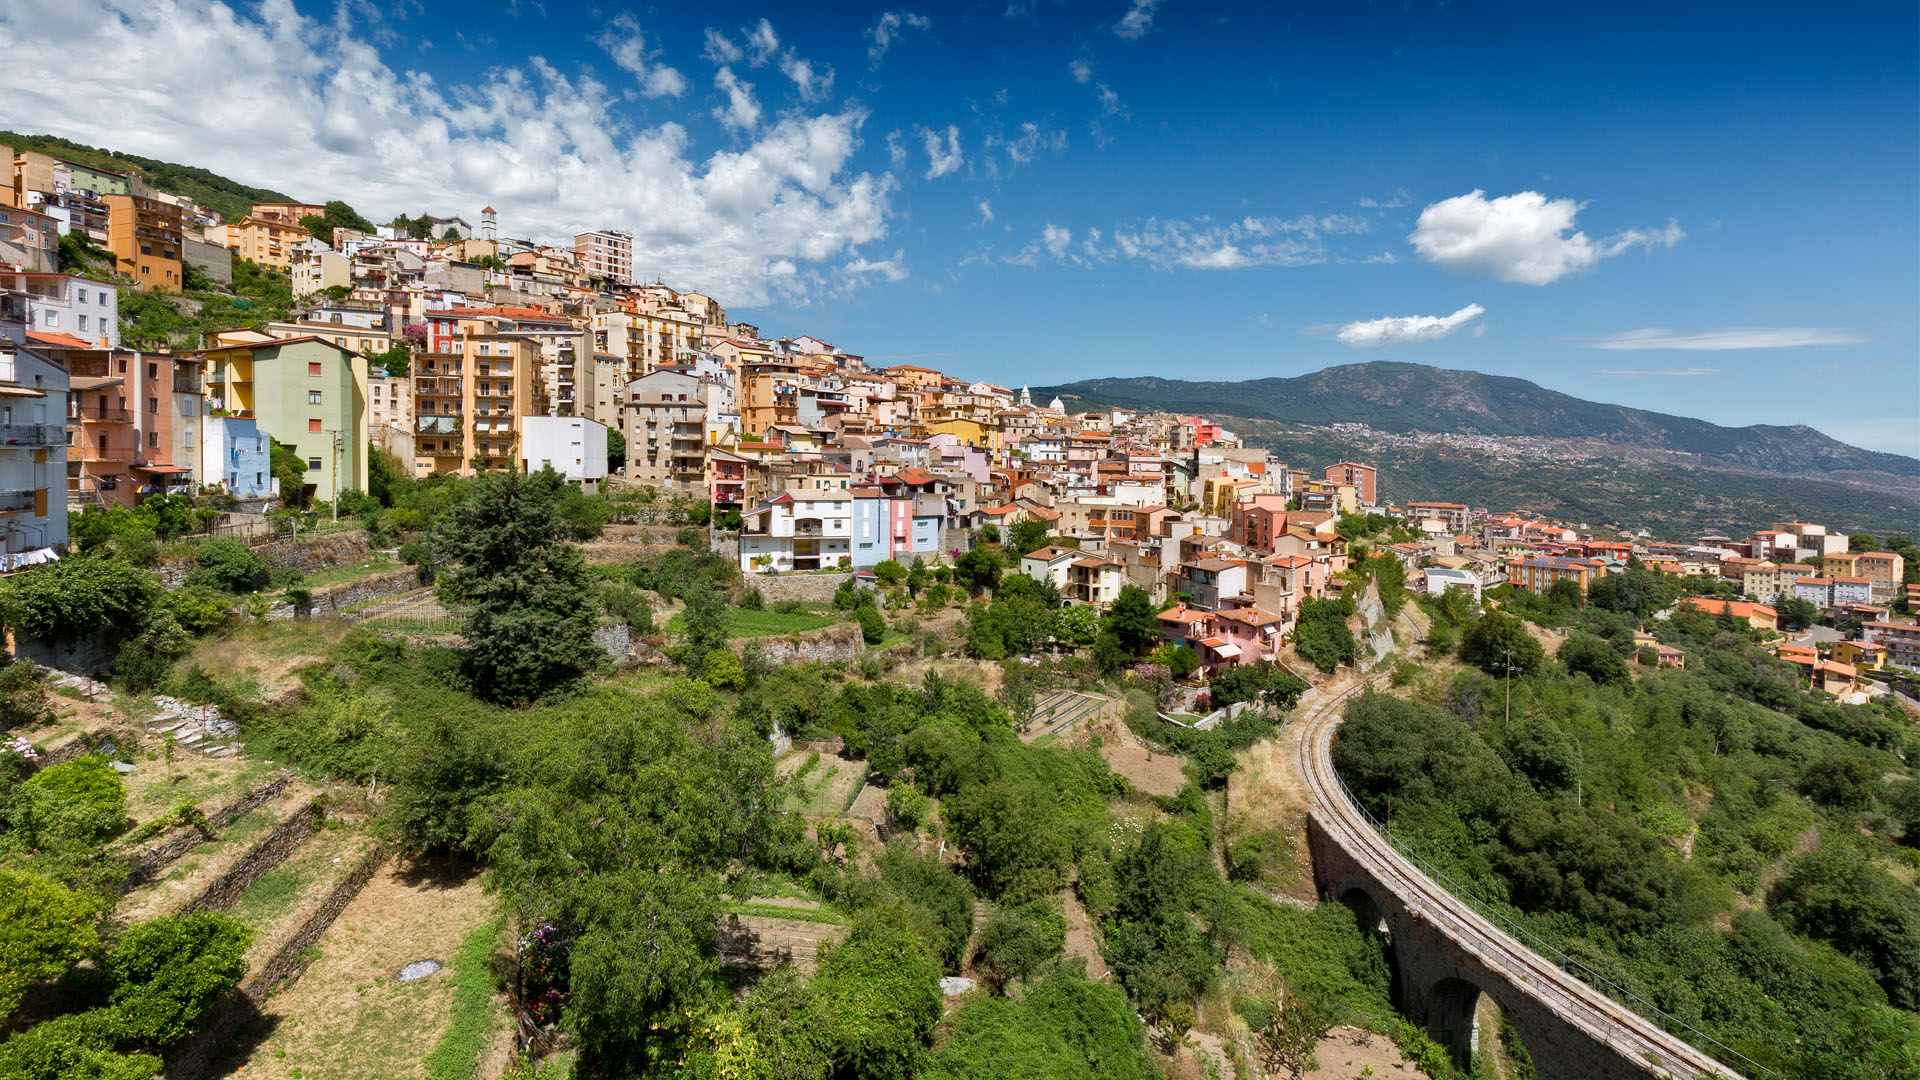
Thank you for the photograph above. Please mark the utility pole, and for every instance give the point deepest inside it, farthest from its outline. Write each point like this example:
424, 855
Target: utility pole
335, 500
1509, 653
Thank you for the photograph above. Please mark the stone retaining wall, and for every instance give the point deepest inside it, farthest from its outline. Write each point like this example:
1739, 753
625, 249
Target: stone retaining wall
829, 644
267, 854
147, 863
307, 554
351, 594
809, 588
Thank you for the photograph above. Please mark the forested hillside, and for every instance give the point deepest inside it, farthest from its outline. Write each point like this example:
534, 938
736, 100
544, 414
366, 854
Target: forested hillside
1716, 839
230, 198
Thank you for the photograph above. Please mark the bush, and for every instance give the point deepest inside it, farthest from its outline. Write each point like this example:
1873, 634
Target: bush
872, 626
688, 538
77, 1047
72, 804
44, 930
751, 600
199, 609
24, 699
228, 563
906, 806
74, 598
723, 669
1019, 942
168, 972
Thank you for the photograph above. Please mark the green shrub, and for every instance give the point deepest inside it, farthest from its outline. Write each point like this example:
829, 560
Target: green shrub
228, 563
199, 609
72, 804
906, 806
24, 700
76, 1047
44, 930
1018, 942
169, 971
872, 626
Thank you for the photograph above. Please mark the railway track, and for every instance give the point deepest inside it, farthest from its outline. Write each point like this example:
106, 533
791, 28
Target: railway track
1610, 1022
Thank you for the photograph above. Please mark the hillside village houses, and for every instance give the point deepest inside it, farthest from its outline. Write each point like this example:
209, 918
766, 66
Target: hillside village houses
522, 355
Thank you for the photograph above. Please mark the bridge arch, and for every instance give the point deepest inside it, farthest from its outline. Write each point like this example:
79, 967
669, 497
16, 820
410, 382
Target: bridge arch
1453, 1017
1372, 917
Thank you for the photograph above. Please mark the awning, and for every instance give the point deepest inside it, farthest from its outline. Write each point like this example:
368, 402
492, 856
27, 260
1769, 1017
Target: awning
1222, 648
160, 467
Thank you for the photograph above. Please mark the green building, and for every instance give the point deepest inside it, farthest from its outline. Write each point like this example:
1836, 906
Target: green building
307, 393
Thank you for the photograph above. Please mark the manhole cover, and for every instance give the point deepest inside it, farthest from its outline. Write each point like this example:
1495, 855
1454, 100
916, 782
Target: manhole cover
419, 969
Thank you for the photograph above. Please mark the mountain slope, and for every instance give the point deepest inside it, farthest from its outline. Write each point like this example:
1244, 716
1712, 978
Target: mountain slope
230, 198
1399, 397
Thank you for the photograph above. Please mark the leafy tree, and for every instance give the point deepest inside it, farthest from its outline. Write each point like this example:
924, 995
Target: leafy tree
44, 930
523, 588
290, 469
1016, 843
335, 215
1290, 1039
1132, 620
616, 448
1321, 636
703, 626
1841, 781
1835, 894
1588, 655
228, 563
1181, 660
977, 569
1262, 678
1017, 943
441, 776
1499, 644
1077, 625
170, 971
1536, 749
1863, 542
872, 626
24, 699
78, 1046
70, 599
890, 571
1064, 1027
1027, 536
1797, 611
906, 806
723, 670
878, 997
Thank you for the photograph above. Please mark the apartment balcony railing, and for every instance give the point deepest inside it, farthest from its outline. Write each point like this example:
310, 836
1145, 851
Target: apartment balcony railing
808, 530
102, 414
191, 384
32, 434
108, 453
17, 501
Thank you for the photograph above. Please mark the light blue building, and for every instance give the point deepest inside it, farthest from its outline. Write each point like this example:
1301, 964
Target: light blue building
237, 456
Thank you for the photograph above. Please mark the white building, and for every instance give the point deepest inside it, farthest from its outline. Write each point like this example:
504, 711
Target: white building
1441, 578
236, 454
798, 530
67, 304
574, 446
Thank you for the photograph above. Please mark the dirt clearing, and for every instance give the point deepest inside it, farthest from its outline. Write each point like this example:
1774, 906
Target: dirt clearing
348, 1018
1153, 773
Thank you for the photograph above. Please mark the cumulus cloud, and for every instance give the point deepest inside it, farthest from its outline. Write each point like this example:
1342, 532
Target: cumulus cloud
1522, 238
741, 112
1081, 71
627, 45
807, 80
943, 151
888, 29
1137, 21
1406, 329
892, 269
273, 98
1726, 339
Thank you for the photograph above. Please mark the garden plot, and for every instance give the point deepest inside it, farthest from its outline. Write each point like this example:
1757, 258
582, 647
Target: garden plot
828, 782
284, 897
202, 865
157, 785
350, 1018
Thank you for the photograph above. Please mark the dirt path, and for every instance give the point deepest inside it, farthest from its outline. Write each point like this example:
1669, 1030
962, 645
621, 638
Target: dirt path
348, 1018
1083, 938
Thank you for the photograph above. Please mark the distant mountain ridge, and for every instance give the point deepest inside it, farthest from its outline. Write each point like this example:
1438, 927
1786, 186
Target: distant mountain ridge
1400, 397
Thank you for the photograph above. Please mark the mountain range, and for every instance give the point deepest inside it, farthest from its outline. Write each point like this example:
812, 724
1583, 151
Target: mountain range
1756, 474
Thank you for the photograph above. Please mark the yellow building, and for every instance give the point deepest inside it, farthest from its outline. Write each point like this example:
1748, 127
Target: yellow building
144, 235
267, 241
468, 401
969, 432
308, 394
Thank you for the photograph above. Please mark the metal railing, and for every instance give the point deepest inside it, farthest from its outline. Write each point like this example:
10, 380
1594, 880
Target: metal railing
1669, 1023
32, 434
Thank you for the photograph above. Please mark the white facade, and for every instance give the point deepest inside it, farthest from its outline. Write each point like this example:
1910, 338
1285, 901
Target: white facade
575, 446
236, 455
67, 304
33, 452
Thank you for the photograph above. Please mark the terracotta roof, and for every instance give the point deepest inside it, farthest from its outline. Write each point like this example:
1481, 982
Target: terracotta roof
1184, 614
1050, 553
64, 341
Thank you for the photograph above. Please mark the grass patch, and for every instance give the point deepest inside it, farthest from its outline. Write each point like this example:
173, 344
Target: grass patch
273, 892
742, 623
457, 1055
781, 911
423, 625
378, 563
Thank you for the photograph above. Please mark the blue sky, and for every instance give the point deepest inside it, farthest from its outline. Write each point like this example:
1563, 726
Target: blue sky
1707, 209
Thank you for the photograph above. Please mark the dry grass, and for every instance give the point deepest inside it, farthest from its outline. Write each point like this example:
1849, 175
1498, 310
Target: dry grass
979, 673
198, 868
262, 659
173, 775
347, 1018
1155, 774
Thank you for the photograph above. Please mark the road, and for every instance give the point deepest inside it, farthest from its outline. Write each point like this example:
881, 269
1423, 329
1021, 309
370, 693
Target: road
1606, 1020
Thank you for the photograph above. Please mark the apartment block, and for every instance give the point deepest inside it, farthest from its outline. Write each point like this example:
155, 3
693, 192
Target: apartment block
144, 235
605, 253
33, 453
305, 392
1361, 477
664, 419
466, 401
572, 446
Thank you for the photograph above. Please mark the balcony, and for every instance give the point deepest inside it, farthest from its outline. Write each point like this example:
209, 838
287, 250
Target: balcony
101, 414
32, 435
17, 501
189, 384
105, 453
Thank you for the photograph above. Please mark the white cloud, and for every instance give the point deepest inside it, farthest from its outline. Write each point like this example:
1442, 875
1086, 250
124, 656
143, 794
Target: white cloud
809, 83
1081, 71
1021, 149
721, 49
887, 29
1406, 329
1657, 373
1726, 339
270, 97
1399, 198
1520, 238
1109, 101
1137, 21
1057, 239
762, 43
1203, 244
986, 211
890, 268
627, 45
741, 112
942, 157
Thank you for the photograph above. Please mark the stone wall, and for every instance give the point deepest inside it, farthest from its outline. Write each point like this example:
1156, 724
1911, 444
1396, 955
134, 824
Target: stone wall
265, 855
829, 644
307, 554
148, 863
808, 588
351, 594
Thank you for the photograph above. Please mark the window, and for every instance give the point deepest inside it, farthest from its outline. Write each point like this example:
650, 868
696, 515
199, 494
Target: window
256, 479
313, 397
313, 463
153, 371
313, 427
153, 405
83, 324
83, 296
50, 318
186, 436
153, 438
313, 371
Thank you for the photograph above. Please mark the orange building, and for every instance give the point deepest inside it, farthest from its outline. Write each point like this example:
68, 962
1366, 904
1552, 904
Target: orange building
1360, 477
144, 235
267, 241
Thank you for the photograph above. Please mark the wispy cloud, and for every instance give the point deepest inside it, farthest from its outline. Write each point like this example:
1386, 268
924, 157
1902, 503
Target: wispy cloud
1137, 21
1204, 244
888, 29
1521, 238
1406, 329
943, 151
627, 45
1657, 373
1726, 339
